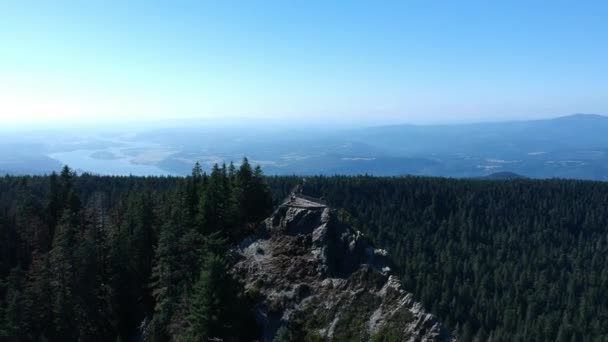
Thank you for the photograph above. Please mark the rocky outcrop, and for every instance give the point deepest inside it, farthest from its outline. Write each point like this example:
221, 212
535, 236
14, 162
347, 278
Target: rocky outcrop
316, 278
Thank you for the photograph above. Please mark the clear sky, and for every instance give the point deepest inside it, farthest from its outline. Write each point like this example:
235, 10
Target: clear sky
357, 61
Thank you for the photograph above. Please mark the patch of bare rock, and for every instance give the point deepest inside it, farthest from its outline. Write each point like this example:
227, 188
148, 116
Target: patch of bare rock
315, 278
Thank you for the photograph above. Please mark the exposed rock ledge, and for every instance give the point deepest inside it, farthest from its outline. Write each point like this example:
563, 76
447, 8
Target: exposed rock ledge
320, 279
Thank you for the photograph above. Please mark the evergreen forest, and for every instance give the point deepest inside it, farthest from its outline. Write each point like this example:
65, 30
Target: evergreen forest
496, 260
90, 258
100, 258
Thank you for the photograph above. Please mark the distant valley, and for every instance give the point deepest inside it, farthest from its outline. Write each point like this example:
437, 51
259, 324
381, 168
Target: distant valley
574, 146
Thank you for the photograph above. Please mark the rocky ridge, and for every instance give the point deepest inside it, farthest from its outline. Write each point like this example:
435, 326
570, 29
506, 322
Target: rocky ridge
316, 278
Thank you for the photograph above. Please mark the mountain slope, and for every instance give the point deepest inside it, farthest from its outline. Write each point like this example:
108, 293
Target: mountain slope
319, 279
574, 146
503, 176
572, 131
521, 260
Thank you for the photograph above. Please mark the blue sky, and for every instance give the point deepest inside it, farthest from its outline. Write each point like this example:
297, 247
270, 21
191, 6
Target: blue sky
369, 62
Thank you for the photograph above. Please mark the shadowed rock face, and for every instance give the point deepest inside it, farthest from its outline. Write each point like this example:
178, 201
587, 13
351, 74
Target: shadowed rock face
320, 279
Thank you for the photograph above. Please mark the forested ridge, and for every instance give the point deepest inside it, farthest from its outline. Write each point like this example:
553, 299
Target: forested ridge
515, 260
90, 258
116, 258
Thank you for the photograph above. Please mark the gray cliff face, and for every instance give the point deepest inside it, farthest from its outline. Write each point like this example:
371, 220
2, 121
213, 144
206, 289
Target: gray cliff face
315, 278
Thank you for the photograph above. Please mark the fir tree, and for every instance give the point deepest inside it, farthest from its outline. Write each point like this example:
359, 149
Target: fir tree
63, 266
207, 317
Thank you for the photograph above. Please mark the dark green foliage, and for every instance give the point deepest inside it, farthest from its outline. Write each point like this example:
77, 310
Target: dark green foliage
218, 208
352, 325
98, 258
254, 199
208, 313
386, 335
517, 260
117, 258
168, 276
284, 334
13, 313
64, 276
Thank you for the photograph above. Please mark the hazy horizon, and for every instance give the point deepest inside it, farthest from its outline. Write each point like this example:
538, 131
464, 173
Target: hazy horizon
314, 87
263, 124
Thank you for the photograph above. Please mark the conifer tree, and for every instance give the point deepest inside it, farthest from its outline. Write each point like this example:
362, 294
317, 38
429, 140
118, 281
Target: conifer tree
13, 319
261, 196
208, 313
63, 266
165, 275
218, 210
194, 189
38, 292
255, 200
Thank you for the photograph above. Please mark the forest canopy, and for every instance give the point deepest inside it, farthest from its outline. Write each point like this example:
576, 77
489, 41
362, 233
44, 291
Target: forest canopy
86, 257
90, 258
512, 260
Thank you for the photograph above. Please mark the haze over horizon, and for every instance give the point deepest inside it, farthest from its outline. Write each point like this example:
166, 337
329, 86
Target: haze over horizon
340, 62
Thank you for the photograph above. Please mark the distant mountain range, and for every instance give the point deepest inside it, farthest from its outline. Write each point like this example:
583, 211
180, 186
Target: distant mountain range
574, 146
579, 131
502, 176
